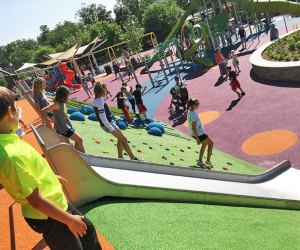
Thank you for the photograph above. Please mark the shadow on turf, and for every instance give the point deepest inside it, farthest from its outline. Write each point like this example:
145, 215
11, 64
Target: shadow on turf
280, 84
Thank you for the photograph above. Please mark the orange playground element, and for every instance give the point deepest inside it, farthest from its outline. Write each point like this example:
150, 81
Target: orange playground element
206, 117
269, 142
69, 74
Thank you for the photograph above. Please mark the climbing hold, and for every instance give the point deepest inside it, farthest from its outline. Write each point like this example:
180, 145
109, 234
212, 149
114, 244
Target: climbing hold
94, 138
112, 140
174, 154
150, 148
230, 164
115, 144
181, 159
167, 149
145, 143
125, 153
171, 163
181, 150
139, 150
105, 151
225, 168
164, 157
160, 145
133, 146
129, 141
174, 146
98, 142
196, 152
189, 147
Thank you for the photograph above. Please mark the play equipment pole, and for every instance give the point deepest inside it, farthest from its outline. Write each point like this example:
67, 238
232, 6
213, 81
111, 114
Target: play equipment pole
167, 64
95, 61
210, 35
235, 12
147, 68
179, 55
285, 23
163, 69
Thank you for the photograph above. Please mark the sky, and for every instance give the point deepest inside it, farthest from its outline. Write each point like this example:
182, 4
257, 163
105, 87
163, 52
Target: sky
22, 18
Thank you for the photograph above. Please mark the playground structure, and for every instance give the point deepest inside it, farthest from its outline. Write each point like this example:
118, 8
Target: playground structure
216, 25
276, 188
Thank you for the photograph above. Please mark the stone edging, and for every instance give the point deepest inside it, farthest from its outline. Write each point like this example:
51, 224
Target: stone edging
282, 71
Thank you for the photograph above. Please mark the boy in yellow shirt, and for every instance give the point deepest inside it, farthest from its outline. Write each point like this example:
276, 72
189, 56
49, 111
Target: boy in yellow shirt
28, 178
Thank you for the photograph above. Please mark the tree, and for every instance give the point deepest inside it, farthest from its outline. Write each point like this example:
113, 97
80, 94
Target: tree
182, 3
41, 54
161, 17
136, 7
122, 14
42, 38
3, 82
89, 14
107, 30
133, 32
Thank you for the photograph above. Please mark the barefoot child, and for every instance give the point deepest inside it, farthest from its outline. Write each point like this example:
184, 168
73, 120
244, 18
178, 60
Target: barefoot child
235, 84
197, 131
29, 180
105, 118
62, 123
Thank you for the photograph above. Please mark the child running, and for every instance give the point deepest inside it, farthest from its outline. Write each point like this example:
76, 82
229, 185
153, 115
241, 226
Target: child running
85, 86
197, 132
29, 180
235, 61
139, 101
62, 123
106, 120
235, 84
121, 98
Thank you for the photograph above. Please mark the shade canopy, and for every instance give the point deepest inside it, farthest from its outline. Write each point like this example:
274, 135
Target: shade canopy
26, 66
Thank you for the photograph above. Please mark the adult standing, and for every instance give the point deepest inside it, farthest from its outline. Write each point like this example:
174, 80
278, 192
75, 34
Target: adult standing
221, 61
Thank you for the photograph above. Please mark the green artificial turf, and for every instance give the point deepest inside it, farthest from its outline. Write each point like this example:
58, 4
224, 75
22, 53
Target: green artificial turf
172, 148
142, 224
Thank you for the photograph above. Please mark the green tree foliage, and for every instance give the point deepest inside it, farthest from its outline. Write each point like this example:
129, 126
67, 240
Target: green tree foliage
160, 18
107, 30
41, 54
136, 7
89, 14
3, 82
122, 14
133, 32
42, 38
182, 3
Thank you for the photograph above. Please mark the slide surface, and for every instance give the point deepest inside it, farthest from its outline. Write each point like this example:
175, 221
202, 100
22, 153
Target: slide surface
69, 74
91, 177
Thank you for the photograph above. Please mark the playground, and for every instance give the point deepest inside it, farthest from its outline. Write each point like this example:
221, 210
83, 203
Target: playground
168, 202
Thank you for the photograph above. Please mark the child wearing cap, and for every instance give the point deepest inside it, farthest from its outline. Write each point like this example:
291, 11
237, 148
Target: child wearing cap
139, 101
29, 180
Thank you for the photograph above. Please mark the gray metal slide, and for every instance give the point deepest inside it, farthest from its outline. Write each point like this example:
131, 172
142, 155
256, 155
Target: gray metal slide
92, 177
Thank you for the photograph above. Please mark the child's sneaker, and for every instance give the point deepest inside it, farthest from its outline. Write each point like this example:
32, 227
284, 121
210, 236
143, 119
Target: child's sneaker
243, 93
200, 164
209, 164
239, 94
137, 159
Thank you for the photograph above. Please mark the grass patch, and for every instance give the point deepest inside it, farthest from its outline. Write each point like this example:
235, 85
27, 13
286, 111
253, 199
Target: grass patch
143, 224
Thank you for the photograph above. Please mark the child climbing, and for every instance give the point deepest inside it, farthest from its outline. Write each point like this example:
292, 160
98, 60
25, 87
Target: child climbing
235, 84
130, 96
106, 120
235, 61
198, 132
139, 101
30, 181
121, 98
62, 124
